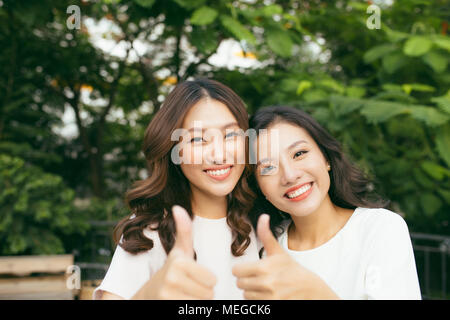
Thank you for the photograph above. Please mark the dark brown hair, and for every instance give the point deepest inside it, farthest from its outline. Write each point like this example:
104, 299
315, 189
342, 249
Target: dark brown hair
349, 186
151, 199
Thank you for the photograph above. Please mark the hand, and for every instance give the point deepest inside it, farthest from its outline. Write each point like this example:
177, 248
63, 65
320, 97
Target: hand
278, 275
180, 277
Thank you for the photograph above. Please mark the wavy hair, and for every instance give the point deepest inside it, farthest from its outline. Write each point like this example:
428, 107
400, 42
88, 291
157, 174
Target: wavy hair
150, 200
349, 186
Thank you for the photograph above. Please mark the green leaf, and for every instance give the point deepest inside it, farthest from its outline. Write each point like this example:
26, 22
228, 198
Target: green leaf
272, 9
391, 87
443, 102
434, 170
393, 62
237, 29
314, 95
443, 42
190, 4
378, 52
344, 105
443, 143
436, 60
303, 85
445, 194
333, 85
417, 46
431, 116
279, 42
288, 85
145, 3
204, 41
408, 87
355, 92
430, 203
204, 16
395, 36
422, 179
357, 5
380, 111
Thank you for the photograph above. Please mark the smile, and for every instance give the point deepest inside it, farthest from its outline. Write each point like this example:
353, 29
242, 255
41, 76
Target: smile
219, 173
299, 193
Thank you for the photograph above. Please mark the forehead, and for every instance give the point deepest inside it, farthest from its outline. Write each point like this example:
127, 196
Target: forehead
283, 135
211, 114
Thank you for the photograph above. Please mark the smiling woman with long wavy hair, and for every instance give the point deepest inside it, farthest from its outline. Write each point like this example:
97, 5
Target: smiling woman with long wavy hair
214, 193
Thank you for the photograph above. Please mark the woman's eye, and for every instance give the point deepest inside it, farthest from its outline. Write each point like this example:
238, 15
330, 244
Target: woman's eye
231, 134
266, 170
300, 153
197, 139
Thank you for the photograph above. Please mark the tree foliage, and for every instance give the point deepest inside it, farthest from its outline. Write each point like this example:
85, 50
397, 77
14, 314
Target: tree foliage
384, 93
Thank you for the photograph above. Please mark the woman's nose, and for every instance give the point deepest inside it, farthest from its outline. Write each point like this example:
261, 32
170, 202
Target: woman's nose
289, 174
215, 152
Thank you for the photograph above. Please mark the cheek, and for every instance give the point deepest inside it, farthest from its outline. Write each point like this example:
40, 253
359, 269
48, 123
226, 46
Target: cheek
191, 154
235, 151
322, 178
267, 186
190, 171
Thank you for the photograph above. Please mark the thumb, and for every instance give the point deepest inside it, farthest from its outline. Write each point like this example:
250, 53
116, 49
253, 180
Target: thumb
183, 227
264, 233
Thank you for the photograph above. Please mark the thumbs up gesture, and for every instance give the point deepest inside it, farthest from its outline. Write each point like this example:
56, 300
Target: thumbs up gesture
278, 275
181, 278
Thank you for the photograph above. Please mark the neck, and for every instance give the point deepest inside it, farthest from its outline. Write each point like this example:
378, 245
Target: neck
207, 205
313, 230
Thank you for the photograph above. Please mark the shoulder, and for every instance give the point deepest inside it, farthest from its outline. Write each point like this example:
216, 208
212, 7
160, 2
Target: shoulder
379, 218
381, 226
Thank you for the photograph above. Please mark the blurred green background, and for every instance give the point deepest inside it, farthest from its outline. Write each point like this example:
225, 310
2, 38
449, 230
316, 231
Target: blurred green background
74, 103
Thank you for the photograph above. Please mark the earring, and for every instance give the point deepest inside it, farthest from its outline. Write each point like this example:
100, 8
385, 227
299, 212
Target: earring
329, 167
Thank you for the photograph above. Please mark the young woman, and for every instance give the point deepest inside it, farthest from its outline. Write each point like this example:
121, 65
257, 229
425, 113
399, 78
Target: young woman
161, 254
335, 241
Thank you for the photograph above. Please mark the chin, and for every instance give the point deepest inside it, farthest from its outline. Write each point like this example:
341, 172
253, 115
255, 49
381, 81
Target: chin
304, 209
220, 190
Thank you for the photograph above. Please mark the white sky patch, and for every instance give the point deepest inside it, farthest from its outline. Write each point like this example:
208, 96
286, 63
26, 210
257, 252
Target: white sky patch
227, 56
104, 34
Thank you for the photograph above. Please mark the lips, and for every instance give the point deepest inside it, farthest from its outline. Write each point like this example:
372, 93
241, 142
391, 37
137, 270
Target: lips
219, 172
299, 192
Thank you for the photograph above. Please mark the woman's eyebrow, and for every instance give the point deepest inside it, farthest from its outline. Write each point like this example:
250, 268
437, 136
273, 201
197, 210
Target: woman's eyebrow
225, 126
296, 143
262, 161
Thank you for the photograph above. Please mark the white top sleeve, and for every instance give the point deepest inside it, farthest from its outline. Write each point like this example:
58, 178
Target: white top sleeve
391, 270
128, 272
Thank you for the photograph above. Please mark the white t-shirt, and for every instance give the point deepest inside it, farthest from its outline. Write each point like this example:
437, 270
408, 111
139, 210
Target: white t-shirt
212, 240
371, 257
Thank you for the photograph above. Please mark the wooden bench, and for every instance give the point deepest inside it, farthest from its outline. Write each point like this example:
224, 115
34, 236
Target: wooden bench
35, 277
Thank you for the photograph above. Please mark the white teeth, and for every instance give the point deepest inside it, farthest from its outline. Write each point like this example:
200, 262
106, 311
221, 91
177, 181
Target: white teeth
300, 191
218, 172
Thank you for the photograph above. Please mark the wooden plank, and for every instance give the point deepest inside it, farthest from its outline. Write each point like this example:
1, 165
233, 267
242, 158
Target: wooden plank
64, 295
25, 265
11, 286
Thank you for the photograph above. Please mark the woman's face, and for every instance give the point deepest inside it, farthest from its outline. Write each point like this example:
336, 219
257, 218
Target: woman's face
213, 151
291, 172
